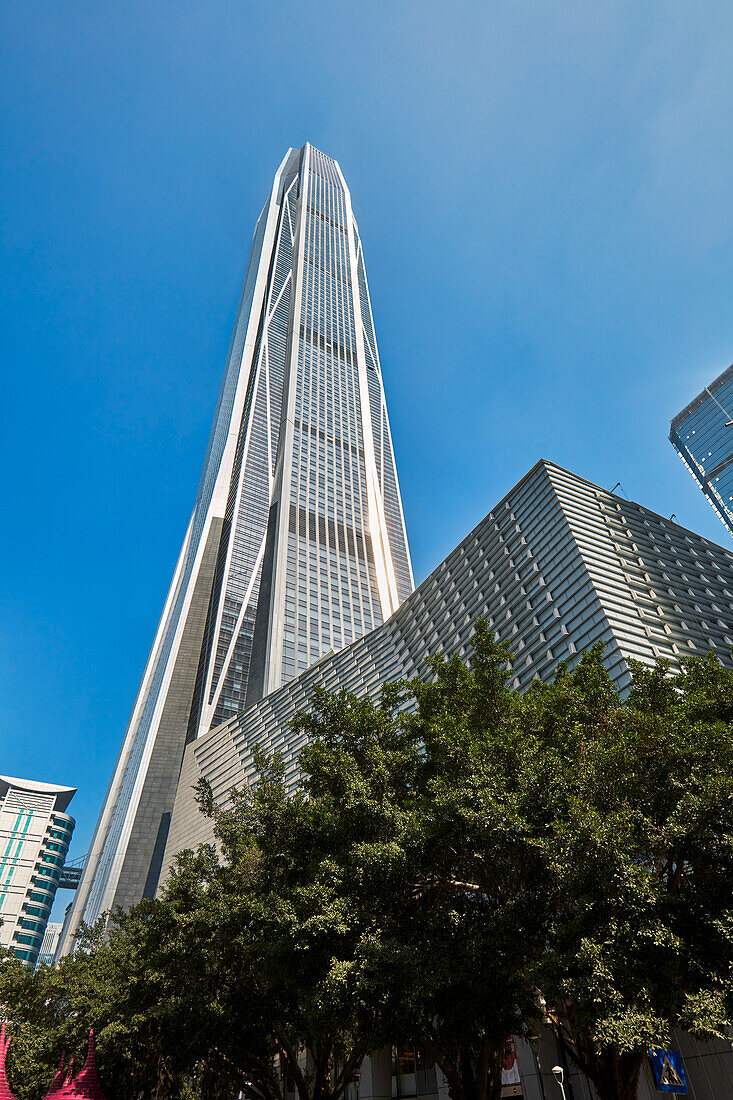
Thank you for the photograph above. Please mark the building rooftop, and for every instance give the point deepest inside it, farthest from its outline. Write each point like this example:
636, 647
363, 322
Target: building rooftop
63, 794
702, 397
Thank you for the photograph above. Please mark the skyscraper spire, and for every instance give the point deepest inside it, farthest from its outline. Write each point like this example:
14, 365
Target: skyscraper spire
297, 542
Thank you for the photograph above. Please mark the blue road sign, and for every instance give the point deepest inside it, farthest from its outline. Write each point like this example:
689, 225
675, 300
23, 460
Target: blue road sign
668, 1070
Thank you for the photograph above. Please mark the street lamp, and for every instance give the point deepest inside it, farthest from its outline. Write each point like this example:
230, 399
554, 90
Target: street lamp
559, 1074
534, 1042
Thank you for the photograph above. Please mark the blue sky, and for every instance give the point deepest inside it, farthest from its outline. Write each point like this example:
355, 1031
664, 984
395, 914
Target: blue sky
544, 195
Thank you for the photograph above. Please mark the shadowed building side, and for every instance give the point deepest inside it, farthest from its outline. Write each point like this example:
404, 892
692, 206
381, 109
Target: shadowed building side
140, 870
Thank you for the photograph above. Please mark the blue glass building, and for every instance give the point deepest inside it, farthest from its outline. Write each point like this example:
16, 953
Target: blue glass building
702, 435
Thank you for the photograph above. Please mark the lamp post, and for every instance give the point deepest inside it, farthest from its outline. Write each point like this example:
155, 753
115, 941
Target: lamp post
559, 1073
534, 1042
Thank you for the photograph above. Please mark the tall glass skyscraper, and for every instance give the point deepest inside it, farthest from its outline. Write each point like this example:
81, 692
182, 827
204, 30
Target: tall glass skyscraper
702, 435
297, 544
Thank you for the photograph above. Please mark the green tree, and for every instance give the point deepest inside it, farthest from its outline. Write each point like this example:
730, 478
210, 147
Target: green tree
147, 986
566, 838
430, 814
303, 954
452, 849
640, 852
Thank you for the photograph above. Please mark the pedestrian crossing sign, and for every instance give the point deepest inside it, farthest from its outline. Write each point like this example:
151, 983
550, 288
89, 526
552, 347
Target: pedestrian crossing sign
668, 1070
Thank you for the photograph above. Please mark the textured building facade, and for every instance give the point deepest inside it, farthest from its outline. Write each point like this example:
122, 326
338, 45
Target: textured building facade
558, 566
297, 542
397, 1073
35, 832
702, 435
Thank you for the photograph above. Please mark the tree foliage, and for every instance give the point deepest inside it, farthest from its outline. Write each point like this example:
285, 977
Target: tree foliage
435, 837
457, 861
641, 854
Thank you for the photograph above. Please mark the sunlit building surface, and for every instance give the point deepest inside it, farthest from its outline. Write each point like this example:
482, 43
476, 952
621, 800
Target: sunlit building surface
49, 943
702, 435
557, 566
296, 546
35, 832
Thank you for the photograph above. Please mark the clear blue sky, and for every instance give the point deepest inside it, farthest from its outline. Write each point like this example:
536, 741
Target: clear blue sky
544, 195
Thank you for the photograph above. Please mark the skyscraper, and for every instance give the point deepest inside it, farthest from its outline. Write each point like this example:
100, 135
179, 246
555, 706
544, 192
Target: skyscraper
49, 943
702, 435
297, 542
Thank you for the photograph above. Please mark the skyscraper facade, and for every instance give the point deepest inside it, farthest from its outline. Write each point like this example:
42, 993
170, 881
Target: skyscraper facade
297, 542
702, 435
50, 942
35, 832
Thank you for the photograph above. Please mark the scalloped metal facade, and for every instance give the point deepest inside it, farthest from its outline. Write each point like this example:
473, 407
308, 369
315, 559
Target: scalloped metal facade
558, 566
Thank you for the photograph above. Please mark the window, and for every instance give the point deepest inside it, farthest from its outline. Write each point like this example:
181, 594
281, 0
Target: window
412, 1075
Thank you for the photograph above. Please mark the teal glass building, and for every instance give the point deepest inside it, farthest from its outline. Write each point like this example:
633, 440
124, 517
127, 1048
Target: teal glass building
35, 833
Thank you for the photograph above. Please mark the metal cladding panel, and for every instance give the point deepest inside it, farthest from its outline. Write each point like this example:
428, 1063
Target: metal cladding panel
558, 566
333, 553
250, 488
666, 591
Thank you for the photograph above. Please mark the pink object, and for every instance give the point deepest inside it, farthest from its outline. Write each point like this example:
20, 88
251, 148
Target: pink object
5, 1093
58, 1082
85, 1086
61, 1086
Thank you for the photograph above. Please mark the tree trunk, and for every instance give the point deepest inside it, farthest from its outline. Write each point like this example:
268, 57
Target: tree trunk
496, 1063
450, 1071
617, 1076
477, 1075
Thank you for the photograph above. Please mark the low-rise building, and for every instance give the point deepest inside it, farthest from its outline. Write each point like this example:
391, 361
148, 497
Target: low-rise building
556, 567
49, 943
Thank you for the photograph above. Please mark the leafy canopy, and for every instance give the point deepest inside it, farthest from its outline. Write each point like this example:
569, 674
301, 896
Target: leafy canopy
457, 861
